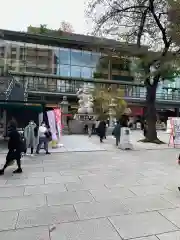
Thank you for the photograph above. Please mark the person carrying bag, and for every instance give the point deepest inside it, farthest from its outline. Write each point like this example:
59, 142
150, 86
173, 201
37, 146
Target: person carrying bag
15, 149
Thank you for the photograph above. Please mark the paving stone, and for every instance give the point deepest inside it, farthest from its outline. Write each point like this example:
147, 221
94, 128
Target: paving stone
69, 198
46, 216
24, 182
82, 186
102, 172
45, 189
43, 174
97, 229
169, 236
153, 181
146, 203
38, 233
55, 167
141, 225
79, 143
149, 190
30, 169
8, 220
74, 173
111, 193
172, 197
2, 182
17, 203
12, 192
147, 238
100, 209
61, 179
172, 215
128, 180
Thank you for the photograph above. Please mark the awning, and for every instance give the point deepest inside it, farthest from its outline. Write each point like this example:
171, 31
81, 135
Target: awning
21, 106
51, 105
136, 111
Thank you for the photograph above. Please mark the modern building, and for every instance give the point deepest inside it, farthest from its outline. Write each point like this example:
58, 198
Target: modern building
50, 66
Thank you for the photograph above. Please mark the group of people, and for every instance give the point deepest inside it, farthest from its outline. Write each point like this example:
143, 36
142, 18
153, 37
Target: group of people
101, 127
33, 137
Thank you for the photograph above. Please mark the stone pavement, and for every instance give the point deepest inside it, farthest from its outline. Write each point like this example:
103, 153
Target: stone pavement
71, 143
81, 143
94, 195
109, 143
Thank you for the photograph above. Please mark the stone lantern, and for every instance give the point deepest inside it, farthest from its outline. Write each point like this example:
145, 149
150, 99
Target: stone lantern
64, 108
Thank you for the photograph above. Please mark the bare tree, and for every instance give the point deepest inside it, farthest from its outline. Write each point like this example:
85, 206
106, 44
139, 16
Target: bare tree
66, 27
141, 22
174, 18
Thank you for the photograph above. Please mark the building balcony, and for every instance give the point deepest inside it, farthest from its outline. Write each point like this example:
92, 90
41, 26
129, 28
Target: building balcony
53, 85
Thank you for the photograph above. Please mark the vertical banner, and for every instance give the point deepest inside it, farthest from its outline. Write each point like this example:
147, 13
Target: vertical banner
52, 124
177, 131
57, 113
174, 138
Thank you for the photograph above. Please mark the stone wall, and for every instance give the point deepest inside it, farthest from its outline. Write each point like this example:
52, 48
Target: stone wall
76, 126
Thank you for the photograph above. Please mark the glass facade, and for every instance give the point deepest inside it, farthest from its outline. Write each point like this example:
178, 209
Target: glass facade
75, 63
64, 62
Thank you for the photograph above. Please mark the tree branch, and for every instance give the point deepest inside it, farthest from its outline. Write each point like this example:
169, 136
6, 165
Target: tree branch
141, 27
114, 12
158, 22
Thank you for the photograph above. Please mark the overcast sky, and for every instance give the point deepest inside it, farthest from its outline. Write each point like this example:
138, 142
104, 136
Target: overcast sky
18, 14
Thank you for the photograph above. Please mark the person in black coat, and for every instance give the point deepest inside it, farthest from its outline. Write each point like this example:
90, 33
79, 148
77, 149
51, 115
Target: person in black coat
102, 130
15, 149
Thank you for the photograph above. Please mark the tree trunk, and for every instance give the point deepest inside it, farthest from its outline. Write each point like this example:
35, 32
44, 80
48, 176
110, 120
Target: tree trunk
151, 135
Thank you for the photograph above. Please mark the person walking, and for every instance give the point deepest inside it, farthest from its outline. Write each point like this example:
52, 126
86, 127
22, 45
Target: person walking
15, 149
29, 134
43, 137
117, 132
90, 126
101, 130
10, 125
145, 128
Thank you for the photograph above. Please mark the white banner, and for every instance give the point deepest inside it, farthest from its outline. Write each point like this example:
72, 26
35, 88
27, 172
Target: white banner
40, 118
176, 123
52, 124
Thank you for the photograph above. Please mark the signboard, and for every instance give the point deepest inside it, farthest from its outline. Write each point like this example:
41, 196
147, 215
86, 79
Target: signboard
125, 139
175, 132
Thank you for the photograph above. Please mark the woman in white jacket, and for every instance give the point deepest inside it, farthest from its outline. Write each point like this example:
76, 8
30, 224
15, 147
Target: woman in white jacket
43, 138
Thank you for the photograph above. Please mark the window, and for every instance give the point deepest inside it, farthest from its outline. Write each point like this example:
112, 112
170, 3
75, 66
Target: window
31, 84
42, 84
86, 72
2, 51
75, 71
64, 56
65, 70
63, 86
76, 57
86, 59
95, 58
56, 71
52, 85
56, 55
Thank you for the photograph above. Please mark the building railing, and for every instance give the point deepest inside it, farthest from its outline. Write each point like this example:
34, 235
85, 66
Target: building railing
52, 84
